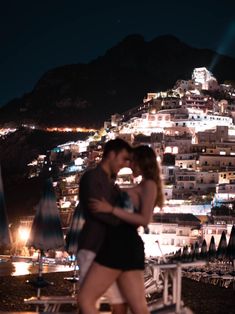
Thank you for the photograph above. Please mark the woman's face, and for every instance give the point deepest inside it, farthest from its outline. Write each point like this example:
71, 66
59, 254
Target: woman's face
135, 168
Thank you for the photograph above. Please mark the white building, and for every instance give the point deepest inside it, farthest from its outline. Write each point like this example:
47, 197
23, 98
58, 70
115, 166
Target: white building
209, 230
171, 231
205, 77
186, 161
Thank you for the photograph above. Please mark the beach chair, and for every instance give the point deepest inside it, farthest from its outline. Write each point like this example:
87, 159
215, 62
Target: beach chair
51, 303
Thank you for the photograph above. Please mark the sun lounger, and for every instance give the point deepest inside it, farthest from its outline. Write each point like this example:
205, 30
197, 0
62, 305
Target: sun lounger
51, 303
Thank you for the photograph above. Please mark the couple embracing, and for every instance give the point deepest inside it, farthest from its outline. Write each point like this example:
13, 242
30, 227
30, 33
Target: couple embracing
111, 253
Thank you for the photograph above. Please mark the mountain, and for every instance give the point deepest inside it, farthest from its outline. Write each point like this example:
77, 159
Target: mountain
16, 151
87, 94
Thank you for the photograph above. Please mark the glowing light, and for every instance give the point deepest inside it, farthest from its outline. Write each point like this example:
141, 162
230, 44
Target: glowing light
79, 161
168, 149
175, 150
66, 204
159, 159
23, 233
21, 268
125, 171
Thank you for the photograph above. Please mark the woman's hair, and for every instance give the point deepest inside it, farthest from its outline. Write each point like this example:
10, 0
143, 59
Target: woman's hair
145, 158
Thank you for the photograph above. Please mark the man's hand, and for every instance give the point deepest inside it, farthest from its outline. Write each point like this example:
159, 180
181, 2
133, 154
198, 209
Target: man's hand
100, 206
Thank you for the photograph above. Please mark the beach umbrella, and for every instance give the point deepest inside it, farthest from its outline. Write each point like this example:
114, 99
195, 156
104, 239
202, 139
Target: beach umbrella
222, 247
5, 239
177, 255
196, 250
72, 240
231, 245
185, 254
212, 249
203, 254
191, 255
46, 231
72, 237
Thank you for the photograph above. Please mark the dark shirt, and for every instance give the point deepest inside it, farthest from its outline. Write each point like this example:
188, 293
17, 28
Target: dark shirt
95, 183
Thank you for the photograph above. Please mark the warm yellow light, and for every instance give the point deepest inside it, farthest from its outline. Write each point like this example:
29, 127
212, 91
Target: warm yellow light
21, 268
23, 233
125, 171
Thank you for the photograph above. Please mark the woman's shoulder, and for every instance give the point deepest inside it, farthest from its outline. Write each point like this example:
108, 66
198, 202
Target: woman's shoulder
148, 185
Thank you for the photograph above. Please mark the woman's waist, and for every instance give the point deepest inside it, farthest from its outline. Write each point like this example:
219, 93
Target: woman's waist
123, 227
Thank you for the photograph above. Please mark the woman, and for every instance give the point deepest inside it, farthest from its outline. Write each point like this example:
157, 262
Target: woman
121, 256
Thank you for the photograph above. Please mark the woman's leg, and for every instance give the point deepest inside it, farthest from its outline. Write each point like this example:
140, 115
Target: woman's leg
131, 284
96, 282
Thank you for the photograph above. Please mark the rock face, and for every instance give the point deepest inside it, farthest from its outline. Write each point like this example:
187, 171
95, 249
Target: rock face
86, 94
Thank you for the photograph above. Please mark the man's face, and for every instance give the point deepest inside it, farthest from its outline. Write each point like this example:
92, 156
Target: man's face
119, 160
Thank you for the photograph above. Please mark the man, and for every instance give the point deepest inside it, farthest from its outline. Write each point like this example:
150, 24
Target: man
98, 183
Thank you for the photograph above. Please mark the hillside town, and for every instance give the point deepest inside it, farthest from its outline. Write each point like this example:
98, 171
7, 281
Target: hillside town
192, 130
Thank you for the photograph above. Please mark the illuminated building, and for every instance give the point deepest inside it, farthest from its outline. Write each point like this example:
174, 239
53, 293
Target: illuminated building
205, 77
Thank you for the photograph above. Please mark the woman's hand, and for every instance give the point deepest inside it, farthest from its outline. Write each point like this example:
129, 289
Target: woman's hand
100, 206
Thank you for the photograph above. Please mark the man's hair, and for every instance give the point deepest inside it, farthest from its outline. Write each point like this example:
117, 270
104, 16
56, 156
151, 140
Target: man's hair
116, 146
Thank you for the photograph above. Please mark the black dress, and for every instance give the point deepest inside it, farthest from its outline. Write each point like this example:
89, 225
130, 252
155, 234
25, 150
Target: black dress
122, 248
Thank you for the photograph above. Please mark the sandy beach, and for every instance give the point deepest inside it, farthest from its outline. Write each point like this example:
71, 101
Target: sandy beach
200, 297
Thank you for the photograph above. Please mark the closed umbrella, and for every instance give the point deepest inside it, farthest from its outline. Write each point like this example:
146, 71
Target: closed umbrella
46, 231
72, 237
222, 247
196, 249
203, 254
5, 239
212, 249
231, 245
72, 240
185, 254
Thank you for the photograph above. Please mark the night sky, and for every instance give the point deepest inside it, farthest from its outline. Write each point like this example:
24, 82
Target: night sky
39, 35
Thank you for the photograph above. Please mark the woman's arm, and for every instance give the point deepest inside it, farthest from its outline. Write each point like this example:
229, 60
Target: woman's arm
147, 199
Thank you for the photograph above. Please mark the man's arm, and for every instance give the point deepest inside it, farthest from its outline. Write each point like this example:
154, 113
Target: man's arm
91, 187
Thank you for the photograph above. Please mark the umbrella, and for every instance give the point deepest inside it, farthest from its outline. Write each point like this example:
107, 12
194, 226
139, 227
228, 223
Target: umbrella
185, 254
203, 250
46, 231
5, 239
212, 249
192, 252
176, 257
222, 247
72, 239
196, 250
231, 245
